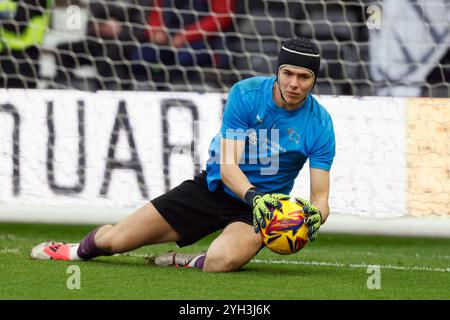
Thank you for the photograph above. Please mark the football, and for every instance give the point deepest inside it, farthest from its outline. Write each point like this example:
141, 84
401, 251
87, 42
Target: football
286, 232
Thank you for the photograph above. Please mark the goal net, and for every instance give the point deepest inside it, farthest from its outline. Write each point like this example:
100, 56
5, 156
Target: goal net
386, 48
95, 147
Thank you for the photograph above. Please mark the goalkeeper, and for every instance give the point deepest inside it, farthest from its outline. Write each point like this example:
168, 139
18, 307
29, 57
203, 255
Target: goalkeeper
241, 184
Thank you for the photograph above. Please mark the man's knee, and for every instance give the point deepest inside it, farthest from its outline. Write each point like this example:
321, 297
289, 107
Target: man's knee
103, 230
107, 240
221, 263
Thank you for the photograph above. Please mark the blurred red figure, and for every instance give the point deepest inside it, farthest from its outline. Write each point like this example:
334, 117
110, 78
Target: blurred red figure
187, 32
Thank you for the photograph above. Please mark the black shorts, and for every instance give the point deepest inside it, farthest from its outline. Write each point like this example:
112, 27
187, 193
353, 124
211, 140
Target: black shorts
195, 212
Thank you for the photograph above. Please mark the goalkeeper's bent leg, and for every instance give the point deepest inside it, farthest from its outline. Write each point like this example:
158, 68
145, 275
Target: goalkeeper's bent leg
143, 227
85, 250
88, 249
233, 248
172, 258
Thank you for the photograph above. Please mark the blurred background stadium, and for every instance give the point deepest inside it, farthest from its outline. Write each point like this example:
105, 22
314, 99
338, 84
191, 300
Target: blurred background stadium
387, 48
92, 72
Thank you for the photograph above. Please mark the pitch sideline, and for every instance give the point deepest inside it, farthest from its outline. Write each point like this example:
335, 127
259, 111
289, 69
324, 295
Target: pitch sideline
292, 262
328, 264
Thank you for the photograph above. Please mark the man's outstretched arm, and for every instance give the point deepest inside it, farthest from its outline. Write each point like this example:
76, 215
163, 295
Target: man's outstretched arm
230, 173
233, 177
320, 190
317, 209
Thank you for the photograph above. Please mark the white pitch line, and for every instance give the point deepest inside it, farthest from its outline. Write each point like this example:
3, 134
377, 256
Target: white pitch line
13, 237
326, 264
294, 262
9, 250
341, 265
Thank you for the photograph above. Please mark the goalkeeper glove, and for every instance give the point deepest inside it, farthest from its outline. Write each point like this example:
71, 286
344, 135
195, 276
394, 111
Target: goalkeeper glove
313, 217
263, 205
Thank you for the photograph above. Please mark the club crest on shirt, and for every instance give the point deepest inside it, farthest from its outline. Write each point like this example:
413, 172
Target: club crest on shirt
258, 118
293, 136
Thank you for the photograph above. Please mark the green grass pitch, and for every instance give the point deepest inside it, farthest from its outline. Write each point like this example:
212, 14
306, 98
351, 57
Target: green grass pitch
333, 267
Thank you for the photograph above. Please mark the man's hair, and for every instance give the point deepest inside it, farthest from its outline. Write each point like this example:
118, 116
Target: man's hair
300, 52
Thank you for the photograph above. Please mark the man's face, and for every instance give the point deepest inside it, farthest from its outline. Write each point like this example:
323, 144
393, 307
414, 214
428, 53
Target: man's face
295, 83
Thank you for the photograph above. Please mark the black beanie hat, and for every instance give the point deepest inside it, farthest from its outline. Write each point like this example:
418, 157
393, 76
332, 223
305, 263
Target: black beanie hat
300, 52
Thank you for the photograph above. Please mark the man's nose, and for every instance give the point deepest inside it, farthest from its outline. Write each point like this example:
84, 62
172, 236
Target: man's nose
294, 83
